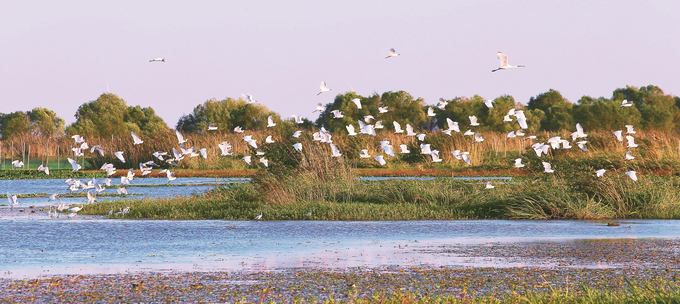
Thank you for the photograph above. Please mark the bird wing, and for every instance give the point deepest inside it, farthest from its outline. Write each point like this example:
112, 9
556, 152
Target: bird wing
503, 58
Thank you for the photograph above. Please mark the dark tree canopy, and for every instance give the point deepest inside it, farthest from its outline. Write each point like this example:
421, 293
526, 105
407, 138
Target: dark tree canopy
38, 122
228, 114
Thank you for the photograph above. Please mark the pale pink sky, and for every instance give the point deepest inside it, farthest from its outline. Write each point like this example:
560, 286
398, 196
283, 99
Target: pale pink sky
60, 54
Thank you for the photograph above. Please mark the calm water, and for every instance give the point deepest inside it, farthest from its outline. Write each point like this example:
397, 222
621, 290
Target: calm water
184, 187
35, 247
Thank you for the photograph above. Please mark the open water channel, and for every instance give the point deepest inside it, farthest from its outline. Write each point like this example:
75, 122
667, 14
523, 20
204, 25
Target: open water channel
36, 245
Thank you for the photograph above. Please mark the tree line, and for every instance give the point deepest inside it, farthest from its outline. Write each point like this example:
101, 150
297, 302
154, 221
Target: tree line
110, 116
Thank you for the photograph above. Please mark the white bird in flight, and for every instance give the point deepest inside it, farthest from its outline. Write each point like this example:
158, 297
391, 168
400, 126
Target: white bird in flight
297, 134
381, 160
618, 135
323, 88
119, 155
504, 63
404, 149
518, 163
631, 142
629, 155
600, 173
337, 114
626, 103
180, 138
357, 102
489, 103
270, 122
298, 146
629, 129
397, 127
364, 154
74, 164
137, 140
393, 53
319, 108
489, 185
249, 98
473, 121
350, 130
157, 59
546, 167
44, 169
632, 175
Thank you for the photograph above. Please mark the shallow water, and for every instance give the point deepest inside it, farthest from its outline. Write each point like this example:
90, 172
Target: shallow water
184, 186
39, 246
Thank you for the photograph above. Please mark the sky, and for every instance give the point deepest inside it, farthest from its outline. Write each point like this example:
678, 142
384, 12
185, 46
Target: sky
62, 54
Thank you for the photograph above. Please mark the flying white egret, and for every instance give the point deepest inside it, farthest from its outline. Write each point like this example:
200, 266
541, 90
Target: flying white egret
397, 127
546, 168
404, 149
393, 53
249, 98
489, 185
632, 175
435, 156
99, 149
442, 103
465, 156
357, 102
629, 155
430, 112
259, 152
511, 135
204, 153
618, 135
124, 180
269, 140
489, 103
171, 176
17, 164
626, 103
421, 137
74, 164
259, 217
270, 122
76, 209
409, 130
323, 88
507, 118
157, 60
225, 147
382, 110
425, 149
136, 139
180, 138
453, 125
350, 130
473, 121
600, 173
297, 134
378, 125
368, 118
319, 108
298, 118
565, 144
247, 159
478, 137
78, 139
13, 201
388, 150
520, 133
119, 155
582, 145
44, 169
631, 142
337, 114
364, 154
238, 129
264, 161
456, 154
212, 127
469, 133
381, 160
298, 146
504, 63
521, 119
518, 163
629, 129
335, 150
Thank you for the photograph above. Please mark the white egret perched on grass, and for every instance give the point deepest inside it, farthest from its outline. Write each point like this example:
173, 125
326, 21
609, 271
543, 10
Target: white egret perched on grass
270, 122
74, 164
489, 185
600, 173
44, 169
473, 121
337, 114
298, 146
119, 155
631, 142
136, 139
319, 108
632, 175
309, 213
381, 160
393, 53
518, 163
364, 154
397, 127
259, 217
547, 167
626, 103
157, 60
249, 98
323, 88
504, 63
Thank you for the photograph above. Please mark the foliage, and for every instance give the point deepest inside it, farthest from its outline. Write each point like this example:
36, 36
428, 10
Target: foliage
39, 121
226, 115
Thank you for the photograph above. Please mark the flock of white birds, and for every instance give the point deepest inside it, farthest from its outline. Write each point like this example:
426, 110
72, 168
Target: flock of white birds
324, 136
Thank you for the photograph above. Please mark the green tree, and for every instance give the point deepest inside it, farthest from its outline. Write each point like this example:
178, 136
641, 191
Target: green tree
556, 108
15, 123
228, 114
658, 110
604, 114
45, 122
109, 115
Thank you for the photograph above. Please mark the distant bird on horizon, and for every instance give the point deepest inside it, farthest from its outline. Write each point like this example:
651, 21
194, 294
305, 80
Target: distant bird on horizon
157, 59
393, 53
249, 98
504, 63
